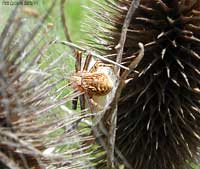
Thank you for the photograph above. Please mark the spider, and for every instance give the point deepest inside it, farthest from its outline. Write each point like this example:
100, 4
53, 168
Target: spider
93, 82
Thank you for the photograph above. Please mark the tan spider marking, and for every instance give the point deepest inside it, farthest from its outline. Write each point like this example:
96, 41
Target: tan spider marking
92, 82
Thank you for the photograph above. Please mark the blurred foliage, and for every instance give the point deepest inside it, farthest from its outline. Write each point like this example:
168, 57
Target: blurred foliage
74, 11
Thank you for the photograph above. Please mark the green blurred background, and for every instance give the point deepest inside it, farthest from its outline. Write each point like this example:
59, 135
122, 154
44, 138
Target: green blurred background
74, 10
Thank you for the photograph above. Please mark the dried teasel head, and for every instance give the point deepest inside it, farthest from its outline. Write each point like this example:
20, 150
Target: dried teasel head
158, 122
35, 125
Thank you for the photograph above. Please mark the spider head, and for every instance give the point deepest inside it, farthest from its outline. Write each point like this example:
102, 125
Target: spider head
76, 82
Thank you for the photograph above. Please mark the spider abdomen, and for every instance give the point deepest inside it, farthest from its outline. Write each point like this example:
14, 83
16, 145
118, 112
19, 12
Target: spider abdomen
98, 84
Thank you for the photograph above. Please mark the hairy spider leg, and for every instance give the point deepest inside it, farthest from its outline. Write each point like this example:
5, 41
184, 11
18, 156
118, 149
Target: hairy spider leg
78, 61
87, 62
100, 64
78, 69
85, 69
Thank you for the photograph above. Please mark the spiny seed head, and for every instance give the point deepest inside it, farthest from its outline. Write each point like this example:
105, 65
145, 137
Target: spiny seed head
30, 134
158, 122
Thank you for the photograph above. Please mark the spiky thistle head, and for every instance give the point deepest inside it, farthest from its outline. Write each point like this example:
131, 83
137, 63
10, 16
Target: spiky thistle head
158, 122
36, 129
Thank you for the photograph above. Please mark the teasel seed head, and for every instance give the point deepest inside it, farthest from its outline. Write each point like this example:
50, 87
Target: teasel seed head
37, 130
158, 122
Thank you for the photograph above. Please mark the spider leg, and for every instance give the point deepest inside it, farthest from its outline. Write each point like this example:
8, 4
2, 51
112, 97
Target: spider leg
74, 103
85, 68
77, 68
94, 103
94, 67
82, 101
78, 61
87, 62
100, 64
